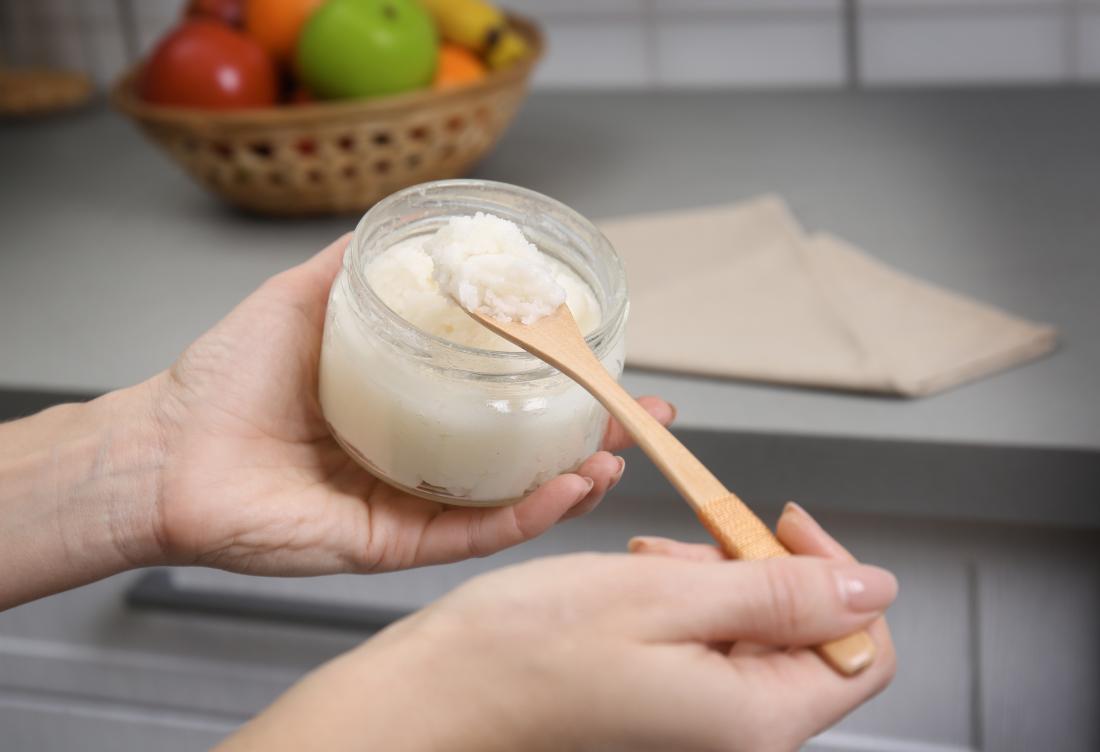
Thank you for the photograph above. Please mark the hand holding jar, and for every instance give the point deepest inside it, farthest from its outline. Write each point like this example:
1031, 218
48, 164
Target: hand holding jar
254, 482
227, 459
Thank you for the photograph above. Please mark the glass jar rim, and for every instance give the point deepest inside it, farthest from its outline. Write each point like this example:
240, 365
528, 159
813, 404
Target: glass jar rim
614, 306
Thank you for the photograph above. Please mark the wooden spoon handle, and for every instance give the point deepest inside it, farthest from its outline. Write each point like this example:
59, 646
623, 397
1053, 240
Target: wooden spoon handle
743, 535
557, 340
739, 532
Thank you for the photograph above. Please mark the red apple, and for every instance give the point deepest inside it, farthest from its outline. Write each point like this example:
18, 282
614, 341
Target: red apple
204, 63
227, 11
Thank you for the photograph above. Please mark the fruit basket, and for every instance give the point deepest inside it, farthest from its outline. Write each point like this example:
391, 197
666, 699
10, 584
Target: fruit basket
341, 156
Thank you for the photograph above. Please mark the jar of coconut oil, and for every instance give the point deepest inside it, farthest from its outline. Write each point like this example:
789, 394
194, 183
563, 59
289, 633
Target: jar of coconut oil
423, 396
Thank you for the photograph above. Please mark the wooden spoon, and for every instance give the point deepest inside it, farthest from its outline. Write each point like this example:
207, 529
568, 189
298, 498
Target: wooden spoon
557, 340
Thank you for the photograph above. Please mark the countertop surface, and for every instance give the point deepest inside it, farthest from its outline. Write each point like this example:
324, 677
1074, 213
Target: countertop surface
111, 260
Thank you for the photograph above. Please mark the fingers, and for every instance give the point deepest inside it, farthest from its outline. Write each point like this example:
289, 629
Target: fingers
652, 545
792, 686
801, 534
799, 678
797, 530
460, 533
605, 470
616, 438
808, 695
789, 601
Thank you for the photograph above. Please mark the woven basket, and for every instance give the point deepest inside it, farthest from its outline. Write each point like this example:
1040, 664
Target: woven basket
336, 157
39, 92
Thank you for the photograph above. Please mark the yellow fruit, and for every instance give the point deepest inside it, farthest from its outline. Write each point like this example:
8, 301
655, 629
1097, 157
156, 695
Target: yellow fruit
509, 48
474, 24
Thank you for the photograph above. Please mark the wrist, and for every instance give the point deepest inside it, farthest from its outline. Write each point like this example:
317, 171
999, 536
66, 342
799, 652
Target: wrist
396, 691
79, 493
123, 483
445, 661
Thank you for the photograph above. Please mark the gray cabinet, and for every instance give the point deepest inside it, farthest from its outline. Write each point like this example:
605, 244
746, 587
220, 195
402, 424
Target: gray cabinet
996, 627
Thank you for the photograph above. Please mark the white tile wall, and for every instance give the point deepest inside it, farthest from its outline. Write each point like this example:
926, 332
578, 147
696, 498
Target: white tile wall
594, 52
685, 43
753, 51
983, 43
1087, 42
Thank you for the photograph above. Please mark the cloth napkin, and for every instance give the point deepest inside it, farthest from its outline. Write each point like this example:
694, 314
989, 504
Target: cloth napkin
741, 291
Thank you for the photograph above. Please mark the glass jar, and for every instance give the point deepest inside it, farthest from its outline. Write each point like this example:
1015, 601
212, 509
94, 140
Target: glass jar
444, 421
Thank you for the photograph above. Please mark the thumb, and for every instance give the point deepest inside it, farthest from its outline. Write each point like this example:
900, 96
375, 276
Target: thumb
324, 265
655, 545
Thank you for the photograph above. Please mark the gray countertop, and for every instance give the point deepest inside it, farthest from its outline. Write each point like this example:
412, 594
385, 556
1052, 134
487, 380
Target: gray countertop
111, 261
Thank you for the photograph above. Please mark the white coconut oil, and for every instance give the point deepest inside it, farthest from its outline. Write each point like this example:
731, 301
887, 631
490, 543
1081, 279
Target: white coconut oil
424, 396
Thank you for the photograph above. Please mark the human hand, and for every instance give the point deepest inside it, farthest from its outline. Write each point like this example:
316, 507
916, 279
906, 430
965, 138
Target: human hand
801, 534
253, 482
606, 652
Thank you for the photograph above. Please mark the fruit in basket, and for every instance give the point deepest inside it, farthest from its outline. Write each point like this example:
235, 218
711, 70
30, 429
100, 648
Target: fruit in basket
474, 24
509, 47
227, 11
364, 48
457, 67
301, 95
480, 27
275, 24
204, 63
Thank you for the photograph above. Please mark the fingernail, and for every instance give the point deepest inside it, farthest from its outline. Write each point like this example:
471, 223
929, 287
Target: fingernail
796, 511
588, 484
795, 508
618, 473
675, 412
865, 588
640, 543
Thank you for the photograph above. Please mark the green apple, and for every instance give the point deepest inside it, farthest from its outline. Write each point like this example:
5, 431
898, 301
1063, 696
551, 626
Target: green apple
364, 48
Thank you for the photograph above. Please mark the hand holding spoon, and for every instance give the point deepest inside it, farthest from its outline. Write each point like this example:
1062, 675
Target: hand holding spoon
557, 340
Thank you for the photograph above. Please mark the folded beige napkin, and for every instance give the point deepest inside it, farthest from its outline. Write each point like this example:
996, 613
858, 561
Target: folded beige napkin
740, 291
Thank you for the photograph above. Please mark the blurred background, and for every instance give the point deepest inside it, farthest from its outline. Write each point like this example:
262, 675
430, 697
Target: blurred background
680, 43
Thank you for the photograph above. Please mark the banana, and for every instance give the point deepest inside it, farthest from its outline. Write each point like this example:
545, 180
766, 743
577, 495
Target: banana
510, 46
474, 24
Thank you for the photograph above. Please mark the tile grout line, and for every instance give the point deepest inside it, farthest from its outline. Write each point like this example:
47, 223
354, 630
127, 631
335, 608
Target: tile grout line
649, 41
977, 714
852, 31
127, 23
1071, 47
87, 46
5, 32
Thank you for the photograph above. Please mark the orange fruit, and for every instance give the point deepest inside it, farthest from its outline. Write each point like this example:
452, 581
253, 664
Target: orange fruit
457, 67
275, 24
